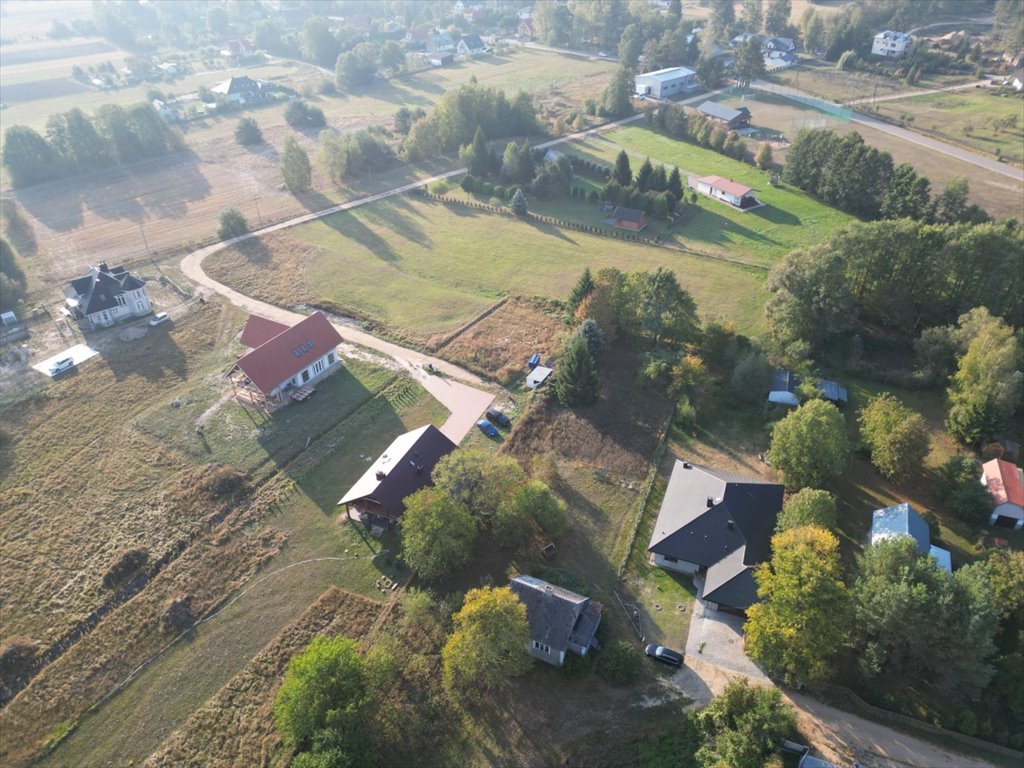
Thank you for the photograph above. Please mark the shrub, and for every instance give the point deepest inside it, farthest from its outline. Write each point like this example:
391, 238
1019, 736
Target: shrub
247, 132
127, 563
469, 183
442, 187
619, 663
298, 114
686, 414
499, 192
177, 615
232, 224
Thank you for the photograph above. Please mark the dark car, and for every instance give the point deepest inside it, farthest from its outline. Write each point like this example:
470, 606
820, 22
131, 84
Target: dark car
487, 428
664, 655
498, 418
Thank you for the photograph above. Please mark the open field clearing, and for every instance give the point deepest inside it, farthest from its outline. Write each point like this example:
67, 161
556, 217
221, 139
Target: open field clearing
791, 219
25, 20
997, 194
133, 724
236, 728
822, 79
971, 118
427, 267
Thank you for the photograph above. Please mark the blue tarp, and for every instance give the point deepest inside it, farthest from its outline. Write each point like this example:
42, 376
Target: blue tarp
534, 360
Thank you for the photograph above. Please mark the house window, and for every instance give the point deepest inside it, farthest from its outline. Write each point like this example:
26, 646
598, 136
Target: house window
318, 366
330, 358
305, 376
120, 301
541, 647
670, 559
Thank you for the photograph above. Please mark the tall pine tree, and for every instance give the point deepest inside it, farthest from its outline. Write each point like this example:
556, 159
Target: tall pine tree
623, 174
583, 288
576, 380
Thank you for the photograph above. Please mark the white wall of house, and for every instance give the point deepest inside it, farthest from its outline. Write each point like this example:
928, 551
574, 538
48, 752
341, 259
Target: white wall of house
679, 566
545, 653
1006, 509
706, 189
888, 46
130, 304
318, 369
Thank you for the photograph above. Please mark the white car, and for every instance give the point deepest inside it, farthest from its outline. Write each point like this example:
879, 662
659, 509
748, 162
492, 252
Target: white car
160, 318
64, 364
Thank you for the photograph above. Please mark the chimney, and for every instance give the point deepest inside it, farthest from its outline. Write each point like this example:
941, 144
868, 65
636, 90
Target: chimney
687, 465
711, 501
380, 474
103, 267
730, 524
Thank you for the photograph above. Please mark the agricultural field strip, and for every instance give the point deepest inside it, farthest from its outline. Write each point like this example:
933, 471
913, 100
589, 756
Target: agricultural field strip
1017, 174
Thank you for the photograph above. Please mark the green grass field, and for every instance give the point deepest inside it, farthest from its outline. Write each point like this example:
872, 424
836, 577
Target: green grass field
428, 267
791, 218
968, 117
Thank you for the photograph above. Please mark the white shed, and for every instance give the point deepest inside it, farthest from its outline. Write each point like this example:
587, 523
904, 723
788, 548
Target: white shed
538, 376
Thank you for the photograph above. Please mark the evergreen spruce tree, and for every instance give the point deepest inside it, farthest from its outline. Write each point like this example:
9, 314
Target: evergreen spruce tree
519, 203
576, 380
583, 288
675, 184
643, 176
481, 163
623, 174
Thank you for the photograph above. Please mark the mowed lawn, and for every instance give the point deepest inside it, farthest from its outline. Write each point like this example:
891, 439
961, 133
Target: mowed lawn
968, 117
790, 219
427, 267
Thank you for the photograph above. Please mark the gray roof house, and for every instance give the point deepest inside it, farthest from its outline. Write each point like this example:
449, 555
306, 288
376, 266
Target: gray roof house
102, 296
903, 520
560, 620
717, 525
727, 116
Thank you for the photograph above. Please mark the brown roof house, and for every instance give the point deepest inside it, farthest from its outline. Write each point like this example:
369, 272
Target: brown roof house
716, 526
378, 497
559, 620
628, 218
284, 362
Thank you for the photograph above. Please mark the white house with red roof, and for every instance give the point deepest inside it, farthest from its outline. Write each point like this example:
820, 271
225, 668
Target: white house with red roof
284, 361
1005, 483
728, 191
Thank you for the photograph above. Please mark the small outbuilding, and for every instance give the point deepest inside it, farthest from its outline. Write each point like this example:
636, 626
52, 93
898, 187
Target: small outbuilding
900, 520
727, 117
783, 388
628, 218
538, 376
1005, 484
666, 82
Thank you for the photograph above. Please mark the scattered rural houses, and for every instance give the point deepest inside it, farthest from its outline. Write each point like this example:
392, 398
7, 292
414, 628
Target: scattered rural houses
284, 362
470, 45
727, 117
559, 620
666, 82
103, 296
1005, 483
166, 111
891, 45
776, 60
241, 90
377, 498
903, 520
440, 42
737, 195
779, 44
716, 526
628, 218
240, 50
417, 37
1016, 80
526, 30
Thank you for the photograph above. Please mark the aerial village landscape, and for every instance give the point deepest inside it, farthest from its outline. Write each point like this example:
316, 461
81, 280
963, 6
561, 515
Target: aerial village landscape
590, 383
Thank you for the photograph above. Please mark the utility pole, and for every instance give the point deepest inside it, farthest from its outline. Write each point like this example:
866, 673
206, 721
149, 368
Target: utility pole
258, 214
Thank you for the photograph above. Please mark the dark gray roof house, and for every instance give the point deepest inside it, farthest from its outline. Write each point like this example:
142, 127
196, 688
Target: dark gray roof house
104, 295
717, 525
378, 496
731, 118
559, 619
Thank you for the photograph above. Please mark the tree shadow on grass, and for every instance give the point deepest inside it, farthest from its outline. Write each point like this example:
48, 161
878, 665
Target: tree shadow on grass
255, 251
775, 216
549, 229
346, 224
719, 230
400, 224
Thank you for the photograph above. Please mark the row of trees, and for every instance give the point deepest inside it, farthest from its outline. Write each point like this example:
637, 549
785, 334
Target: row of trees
355, 154
859, 179
76, 142
457, 115
360, 65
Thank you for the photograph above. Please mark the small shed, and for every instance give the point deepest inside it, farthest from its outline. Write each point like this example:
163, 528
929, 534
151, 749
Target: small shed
629, 218
442, 60
833, 391
538, 376
783, 388
534, 360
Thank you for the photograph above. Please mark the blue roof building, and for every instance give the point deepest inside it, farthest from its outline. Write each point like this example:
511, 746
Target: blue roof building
942, 557
900, 520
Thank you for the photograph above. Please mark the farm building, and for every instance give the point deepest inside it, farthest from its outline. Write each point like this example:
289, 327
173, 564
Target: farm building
716, 526
559, 620
783, 389
440, 43
666, 82
903, 520
442, 59
628, 218
378, 496
1005, 483
731, 192
726, 116
284, 362
891, 45
102, 296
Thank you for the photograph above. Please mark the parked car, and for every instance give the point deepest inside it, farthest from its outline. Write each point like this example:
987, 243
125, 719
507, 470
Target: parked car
64, 364
664, 655
498, 418
160, 318
487, 428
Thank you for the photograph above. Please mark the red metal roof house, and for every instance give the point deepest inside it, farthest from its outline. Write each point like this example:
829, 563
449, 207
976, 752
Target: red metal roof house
283, 358
1005, 483
728, 191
